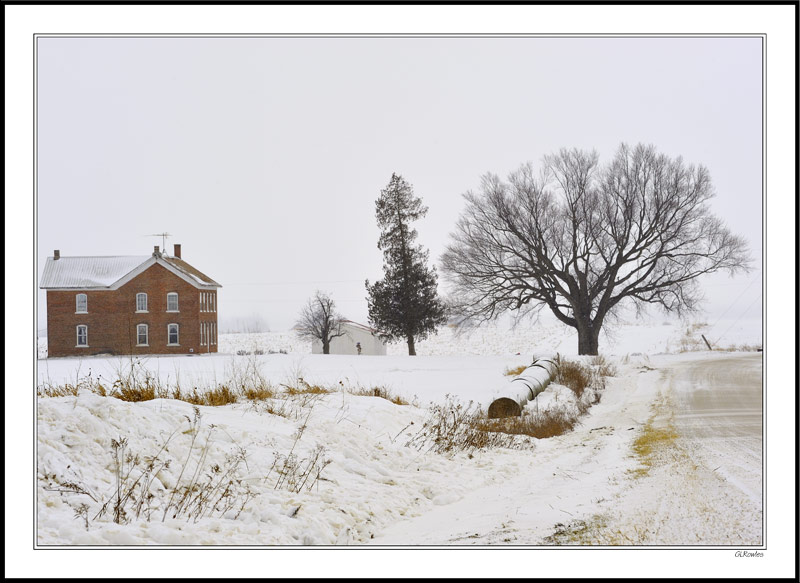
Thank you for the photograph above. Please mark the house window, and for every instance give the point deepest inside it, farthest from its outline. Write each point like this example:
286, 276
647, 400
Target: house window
141, 335
83, 335
172, 302
81, 304
213, 302
172, 335
213, 332
202, 333
141, 302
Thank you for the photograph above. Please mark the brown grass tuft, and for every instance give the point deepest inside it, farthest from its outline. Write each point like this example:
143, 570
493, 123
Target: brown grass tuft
512, 372
304, 388
222, 395
453, 426
136, 392
49, 390
382, 392
258, 393
573, 375
540, 426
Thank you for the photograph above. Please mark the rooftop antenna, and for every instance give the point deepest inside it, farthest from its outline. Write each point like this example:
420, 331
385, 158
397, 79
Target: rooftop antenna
163, 236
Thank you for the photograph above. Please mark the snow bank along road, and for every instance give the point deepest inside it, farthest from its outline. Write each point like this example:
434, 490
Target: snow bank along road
671, 456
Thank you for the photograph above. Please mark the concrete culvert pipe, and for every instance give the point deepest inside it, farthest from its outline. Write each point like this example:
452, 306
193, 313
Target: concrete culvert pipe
523, 388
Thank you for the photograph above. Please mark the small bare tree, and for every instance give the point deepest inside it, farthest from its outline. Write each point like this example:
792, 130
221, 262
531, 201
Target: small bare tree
583, 239
319, 321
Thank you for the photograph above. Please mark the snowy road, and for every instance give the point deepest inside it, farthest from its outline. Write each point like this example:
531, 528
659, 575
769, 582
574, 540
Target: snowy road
702, 484
719, 416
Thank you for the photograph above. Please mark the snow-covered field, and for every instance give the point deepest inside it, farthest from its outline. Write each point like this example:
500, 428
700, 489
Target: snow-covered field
343, 469
547, 336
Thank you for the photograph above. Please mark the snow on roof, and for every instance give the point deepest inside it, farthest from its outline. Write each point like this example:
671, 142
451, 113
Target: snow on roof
71, 272
357, 325
195, 274
106, 271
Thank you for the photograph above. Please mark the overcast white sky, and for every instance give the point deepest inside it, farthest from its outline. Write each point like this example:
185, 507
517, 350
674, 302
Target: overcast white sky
263, 157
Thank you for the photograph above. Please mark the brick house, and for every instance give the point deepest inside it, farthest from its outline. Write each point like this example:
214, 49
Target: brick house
156, 304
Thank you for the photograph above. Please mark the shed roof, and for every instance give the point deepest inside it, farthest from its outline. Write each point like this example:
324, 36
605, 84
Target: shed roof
99, 272
361, 326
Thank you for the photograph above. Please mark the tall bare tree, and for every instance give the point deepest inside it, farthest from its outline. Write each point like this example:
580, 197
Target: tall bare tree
584, 240
319, 321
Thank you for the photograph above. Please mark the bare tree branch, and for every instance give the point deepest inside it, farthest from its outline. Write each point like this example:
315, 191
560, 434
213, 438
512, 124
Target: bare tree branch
583, 239
319, 321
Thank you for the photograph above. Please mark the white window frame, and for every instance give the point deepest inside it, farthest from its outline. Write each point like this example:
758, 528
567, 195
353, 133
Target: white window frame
78, 336
213, 302
202, 333
138, 311
177, 305
146, 335
177, 333
214, 333
85, 309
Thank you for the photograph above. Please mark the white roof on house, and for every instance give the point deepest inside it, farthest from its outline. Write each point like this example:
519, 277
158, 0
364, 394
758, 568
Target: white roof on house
72, 272
112, 271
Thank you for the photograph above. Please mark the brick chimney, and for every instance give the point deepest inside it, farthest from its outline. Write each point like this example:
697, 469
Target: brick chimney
156, 251
177, 252
56, 255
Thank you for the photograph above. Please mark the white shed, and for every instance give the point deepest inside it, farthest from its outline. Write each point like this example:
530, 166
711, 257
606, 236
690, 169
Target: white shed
354, 333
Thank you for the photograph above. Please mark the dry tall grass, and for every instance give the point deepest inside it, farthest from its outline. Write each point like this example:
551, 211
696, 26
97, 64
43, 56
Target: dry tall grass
550, 423
514, 371
573, 375
379, 391
453, 426
199, 491
135, 383
304, 388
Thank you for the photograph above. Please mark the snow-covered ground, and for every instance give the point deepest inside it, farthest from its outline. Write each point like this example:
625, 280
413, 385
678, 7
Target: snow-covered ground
343, 469
587, 487
546, 336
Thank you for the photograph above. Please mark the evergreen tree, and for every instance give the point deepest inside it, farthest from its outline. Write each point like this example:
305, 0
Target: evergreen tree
404, 304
